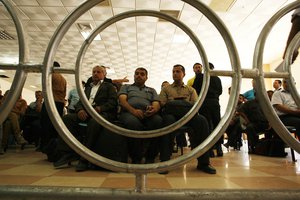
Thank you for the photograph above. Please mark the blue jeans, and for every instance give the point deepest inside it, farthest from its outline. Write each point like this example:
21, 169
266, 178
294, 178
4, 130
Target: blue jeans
137, 146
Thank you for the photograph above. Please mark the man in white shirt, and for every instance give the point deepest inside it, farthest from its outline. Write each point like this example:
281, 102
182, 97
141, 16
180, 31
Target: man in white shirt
286, 108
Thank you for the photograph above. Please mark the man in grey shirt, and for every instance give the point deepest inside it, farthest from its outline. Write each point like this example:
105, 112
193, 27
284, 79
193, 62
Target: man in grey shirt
140, 106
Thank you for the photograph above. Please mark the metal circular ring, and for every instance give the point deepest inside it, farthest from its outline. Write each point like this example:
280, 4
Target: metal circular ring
129, 132
113, 165
260, 87
20, 76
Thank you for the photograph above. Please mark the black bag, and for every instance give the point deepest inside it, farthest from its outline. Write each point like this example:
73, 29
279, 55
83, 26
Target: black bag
177, 108
273, 147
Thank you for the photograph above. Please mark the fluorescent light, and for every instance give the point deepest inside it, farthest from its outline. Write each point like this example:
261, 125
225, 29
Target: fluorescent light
180, 39
85, 34
32, 86
2, 71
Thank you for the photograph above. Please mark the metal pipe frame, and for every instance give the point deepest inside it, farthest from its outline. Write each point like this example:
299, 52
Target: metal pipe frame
141, 170
73, 193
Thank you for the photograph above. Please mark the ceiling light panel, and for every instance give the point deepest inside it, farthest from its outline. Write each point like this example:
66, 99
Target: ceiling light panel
148, 4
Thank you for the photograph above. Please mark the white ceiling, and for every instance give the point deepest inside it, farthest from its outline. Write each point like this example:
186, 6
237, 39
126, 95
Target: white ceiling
143, 41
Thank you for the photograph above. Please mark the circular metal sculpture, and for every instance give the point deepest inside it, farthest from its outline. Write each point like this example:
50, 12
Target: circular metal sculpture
236, 74
113, 165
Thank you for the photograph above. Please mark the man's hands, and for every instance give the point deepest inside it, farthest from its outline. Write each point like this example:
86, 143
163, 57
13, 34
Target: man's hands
83, 115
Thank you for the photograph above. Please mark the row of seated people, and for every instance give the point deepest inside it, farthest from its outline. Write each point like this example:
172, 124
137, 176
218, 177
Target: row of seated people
140, 111
250, 119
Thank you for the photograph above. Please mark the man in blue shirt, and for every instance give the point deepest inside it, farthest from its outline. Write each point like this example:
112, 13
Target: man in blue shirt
140, 106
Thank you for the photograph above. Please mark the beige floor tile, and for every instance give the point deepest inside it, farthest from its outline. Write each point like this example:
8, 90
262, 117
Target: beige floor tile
18, 180
264, 183
70, 181
30, 170
203, 183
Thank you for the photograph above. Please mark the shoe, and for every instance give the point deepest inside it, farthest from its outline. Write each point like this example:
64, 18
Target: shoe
20, 140
82, 166
164, 172
65, 161
1, 151
207, 169
226, 145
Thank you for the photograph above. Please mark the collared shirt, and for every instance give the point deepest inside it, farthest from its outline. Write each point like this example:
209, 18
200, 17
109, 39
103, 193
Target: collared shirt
283, 97
174, 91
139, 97
94, 91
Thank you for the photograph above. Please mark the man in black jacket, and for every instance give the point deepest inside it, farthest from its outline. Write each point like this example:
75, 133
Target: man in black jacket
103, 97
211, 106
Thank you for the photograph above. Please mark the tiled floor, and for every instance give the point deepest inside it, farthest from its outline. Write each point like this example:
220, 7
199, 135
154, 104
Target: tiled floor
235, 170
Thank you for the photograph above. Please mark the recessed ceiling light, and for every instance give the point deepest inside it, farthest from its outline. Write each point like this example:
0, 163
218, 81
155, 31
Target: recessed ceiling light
85, 29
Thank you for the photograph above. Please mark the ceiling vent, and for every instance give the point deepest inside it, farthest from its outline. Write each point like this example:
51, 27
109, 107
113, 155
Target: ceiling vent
172, 13
5, 36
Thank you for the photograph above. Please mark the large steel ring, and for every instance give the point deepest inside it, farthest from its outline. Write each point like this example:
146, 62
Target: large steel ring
20, 76
260, 87
113, 165
128, 132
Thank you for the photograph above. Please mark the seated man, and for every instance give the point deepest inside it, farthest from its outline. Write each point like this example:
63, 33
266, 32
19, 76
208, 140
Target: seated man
199, 124
234, 130
253, 122
140, 105
12, 123
286, 107
103, 97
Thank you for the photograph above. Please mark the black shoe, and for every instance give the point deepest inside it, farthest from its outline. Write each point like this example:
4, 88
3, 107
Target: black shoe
164, 172
207, 169
226, 145
82, 166
65, 161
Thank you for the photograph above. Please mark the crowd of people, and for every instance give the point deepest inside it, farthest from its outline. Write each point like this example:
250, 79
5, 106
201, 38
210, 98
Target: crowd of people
139, 107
